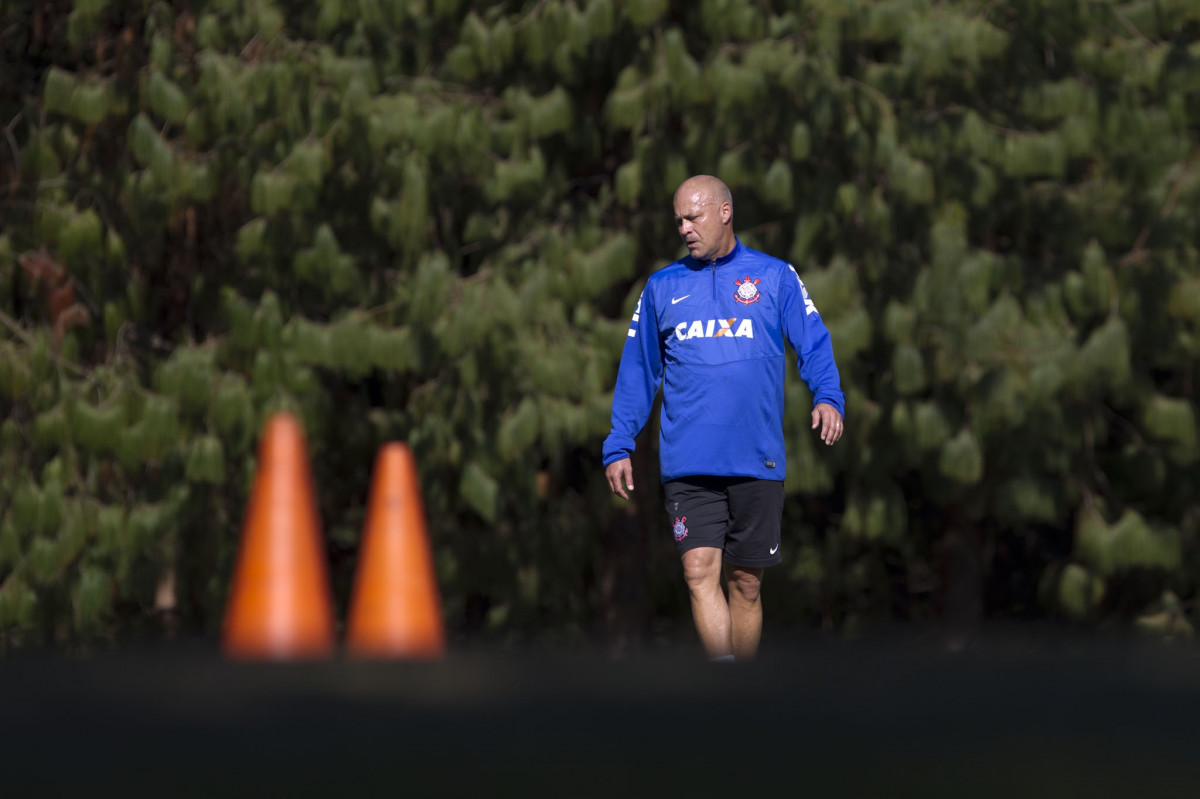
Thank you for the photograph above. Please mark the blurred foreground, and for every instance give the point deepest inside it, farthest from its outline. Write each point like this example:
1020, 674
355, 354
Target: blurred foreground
1007, 717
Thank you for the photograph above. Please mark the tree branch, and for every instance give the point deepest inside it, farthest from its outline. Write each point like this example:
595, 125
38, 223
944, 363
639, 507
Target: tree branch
20, 333
1136, 253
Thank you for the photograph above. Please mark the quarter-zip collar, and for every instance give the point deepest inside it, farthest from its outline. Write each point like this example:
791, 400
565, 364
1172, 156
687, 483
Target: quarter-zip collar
728, 258
712, 266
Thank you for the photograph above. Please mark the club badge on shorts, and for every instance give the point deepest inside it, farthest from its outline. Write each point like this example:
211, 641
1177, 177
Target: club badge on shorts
747, 291
679, 528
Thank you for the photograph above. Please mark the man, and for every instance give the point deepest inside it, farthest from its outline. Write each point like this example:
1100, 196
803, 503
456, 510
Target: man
711, 328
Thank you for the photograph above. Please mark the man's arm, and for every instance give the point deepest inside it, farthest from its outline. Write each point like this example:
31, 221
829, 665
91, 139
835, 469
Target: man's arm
806, 332
638, 378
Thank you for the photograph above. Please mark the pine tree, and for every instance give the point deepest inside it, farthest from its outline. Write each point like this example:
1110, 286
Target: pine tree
430, 222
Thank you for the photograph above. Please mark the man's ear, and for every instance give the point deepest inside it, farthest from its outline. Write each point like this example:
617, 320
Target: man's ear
726, 213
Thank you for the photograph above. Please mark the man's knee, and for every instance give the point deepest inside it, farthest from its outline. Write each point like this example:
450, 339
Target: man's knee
702, 567
745, 583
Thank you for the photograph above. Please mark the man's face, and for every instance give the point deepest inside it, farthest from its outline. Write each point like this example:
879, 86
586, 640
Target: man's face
699, 218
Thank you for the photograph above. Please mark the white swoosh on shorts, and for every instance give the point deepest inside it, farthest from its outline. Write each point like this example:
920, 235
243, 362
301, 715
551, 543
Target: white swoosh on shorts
679, 299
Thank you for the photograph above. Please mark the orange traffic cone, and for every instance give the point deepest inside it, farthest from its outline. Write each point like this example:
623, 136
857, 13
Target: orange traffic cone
280, 605
395, 611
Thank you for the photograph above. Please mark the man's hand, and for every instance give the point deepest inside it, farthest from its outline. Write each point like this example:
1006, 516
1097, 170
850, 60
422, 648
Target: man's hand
620, 475
828, 419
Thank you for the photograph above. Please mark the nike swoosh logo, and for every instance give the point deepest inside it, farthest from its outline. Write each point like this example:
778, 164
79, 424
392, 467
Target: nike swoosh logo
774, 549
679, 299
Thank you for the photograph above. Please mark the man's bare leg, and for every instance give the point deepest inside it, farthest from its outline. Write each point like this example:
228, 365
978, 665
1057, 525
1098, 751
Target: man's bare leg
710, 610
745, 610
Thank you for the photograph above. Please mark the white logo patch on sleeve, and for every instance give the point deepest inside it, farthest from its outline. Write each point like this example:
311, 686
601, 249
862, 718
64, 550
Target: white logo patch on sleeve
809, 307
637, 314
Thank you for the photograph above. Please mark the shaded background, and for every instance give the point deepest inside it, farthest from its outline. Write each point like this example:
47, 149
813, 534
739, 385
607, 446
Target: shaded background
1064, 717
430, 222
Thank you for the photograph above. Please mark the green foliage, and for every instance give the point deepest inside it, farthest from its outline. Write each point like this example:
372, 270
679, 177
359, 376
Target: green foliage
480, 491
16, 376
206, 461
187, 376
86, 101
1079, 593
1167, 618
994, 207
880, 515
908, 369
325, 266
1174, 422
1128, 544
165, 98
961, 460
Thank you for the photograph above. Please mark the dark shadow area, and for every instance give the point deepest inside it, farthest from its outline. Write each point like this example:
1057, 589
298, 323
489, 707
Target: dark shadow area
1014, 716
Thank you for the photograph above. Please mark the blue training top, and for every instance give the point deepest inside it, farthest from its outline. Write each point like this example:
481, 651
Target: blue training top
716, 332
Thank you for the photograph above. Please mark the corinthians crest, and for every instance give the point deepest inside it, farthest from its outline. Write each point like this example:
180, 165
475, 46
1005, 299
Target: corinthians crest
679, 529
747, 291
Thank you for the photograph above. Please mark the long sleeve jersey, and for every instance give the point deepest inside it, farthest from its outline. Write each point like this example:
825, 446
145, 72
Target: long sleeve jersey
712, 334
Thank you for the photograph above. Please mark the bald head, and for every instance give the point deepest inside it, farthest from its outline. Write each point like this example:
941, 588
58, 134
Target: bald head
704, 217
707, 188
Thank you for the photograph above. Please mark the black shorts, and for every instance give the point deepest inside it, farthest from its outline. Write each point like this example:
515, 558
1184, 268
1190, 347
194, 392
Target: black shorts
741, 516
